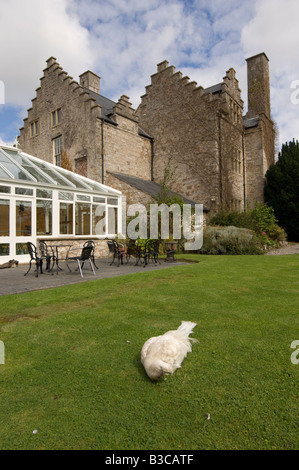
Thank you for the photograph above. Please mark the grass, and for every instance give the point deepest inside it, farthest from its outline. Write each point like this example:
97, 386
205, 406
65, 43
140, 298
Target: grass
73, 372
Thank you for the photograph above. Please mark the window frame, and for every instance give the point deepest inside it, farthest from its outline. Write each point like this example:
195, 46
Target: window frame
56, 117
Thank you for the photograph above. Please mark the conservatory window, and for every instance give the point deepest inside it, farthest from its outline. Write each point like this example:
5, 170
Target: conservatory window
4, 218
82, 219
23, 218
4, 249
98, 219
24, 191
66, 218
43, 217
5, 189
112, 220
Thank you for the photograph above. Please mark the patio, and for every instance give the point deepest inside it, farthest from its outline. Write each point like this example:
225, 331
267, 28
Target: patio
13, 281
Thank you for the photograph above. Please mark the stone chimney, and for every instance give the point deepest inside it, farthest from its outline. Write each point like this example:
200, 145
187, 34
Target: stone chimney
258, 85
91, 81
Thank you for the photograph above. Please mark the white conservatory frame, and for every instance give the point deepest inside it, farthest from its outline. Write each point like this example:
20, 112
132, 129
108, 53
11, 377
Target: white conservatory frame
35, 195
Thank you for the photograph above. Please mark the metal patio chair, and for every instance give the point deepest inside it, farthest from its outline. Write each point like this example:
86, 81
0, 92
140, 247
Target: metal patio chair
91, 243
34, 258
117, 251
47, 253
86, 255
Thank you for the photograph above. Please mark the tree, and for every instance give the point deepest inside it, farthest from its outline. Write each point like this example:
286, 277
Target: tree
282, 189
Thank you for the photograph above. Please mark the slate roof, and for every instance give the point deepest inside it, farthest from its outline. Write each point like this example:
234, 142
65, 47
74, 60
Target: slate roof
107, 109
150, 187
214, 89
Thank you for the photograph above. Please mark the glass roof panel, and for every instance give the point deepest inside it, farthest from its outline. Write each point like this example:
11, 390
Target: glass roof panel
28, 166
3, 174
76, 181
20, 166
53, 175
13, 168
17, 173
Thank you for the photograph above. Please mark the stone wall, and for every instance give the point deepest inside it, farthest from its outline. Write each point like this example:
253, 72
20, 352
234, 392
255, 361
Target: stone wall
78, 129
101, 250
92, 145
125, 151
196, 130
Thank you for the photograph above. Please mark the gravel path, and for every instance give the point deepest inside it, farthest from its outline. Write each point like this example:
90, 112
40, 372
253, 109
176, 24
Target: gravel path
290, 249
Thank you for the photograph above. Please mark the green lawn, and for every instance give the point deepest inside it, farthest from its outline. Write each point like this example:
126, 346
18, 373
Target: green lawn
73, 372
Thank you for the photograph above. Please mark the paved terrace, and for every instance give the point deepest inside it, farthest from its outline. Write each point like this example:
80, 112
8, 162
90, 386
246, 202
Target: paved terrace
13, 281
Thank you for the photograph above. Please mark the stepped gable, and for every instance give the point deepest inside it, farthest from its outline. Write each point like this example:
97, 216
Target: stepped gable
229, 86
83, 94
124, 108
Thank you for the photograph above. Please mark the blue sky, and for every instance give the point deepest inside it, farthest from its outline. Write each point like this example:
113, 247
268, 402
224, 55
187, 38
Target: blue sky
124, 40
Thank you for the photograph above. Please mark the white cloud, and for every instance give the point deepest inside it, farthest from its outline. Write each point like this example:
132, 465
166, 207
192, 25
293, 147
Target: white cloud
31, 32
123, 40
274, 30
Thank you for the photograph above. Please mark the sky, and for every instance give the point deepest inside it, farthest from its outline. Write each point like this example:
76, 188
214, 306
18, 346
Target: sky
124, 40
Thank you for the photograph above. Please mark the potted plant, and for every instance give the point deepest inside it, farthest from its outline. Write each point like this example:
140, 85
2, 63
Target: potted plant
171, 246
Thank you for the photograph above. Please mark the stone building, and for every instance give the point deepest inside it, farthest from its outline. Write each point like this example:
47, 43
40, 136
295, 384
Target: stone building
71, 124
219, 158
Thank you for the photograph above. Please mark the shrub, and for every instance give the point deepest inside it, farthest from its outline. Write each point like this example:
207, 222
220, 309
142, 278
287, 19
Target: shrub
260, 219
230, 241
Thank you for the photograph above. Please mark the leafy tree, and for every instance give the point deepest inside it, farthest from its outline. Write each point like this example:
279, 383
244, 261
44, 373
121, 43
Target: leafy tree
282, 189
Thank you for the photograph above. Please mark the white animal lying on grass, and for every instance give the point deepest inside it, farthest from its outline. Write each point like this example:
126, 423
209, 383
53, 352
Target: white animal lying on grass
165, 353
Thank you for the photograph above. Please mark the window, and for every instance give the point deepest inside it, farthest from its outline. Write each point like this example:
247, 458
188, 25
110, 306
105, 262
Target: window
21, 249
4, 218
56, 117
23, 218
43, 217
66, 218
33, 128
98, 219
57, 151
82, 219
80, 197
236, 205
44, 193
4, 249
24, 191
5, 189
237, 162
112, 220
65, 196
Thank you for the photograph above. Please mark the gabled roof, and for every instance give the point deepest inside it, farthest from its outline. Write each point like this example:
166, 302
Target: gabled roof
106, 104
108, 109
150, 187
214, 88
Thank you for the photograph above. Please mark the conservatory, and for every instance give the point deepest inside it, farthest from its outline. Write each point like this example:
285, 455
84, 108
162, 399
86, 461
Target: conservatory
39, 200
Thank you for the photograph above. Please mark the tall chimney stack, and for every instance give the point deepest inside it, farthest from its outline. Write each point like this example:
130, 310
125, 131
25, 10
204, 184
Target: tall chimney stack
258, 82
